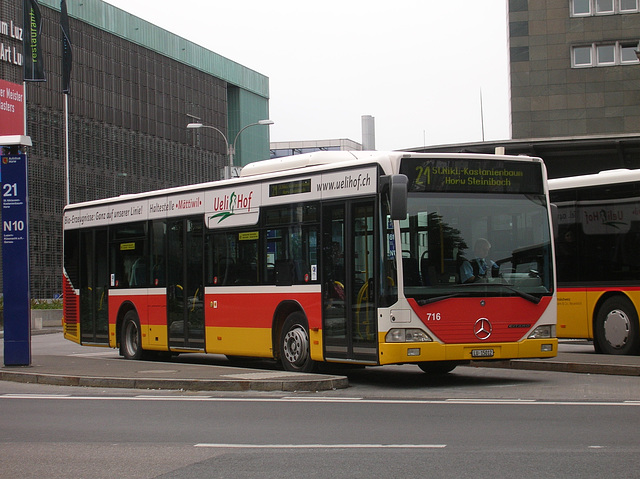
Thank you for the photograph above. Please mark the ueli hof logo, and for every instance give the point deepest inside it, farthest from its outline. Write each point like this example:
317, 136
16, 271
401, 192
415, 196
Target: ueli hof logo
228, 205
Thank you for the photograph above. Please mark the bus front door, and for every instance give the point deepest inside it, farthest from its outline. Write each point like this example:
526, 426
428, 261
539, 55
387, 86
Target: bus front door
349, 300
185, 291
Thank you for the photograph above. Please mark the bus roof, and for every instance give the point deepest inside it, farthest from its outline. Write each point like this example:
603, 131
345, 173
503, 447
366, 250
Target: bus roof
603, 178
292, 164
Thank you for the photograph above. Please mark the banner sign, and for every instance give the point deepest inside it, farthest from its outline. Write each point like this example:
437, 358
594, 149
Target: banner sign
67, 55
15, 261
11, 108
32, 42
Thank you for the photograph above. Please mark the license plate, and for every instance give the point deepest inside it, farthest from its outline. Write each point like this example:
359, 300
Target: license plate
482, 353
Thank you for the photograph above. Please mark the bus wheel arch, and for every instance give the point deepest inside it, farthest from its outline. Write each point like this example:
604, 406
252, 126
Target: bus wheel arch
616, 328
291, 330
280, 315
128, 332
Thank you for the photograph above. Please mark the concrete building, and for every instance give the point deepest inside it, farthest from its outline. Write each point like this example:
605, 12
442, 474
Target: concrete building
574, 70
134, 88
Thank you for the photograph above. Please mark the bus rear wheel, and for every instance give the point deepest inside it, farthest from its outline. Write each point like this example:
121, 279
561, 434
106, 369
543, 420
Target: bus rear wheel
295, 352
130, 341
616, 328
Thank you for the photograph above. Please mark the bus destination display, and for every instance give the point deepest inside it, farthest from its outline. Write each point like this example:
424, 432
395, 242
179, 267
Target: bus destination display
472, 175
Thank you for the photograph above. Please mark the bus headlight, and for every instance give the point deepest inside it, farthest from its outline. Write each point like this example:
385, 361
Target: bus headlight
398, 335
544, 332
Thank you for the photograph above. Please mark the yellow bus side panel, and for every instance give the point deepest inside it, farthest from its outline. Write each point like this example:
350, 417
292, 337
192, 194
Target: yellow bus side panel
154, 337
255, 342
574, 319
71, 331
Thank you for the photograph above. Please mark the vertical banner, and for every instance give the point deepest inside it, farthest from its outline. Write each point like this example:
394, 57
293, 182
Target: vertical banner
67, 56
15, 261
33, 58
11, 108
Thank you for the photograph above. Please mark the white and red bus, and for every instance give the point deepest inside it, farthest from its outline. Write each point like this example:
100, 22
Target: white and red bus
347, 257
598, 259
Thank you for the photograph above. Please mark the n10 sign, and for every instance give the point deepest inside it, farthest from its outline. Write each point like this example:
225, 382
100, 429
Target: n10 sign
15, 261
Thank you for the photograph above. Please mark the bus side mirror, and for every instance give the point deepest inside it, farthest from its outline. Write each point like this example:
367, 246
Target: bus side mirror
398, 188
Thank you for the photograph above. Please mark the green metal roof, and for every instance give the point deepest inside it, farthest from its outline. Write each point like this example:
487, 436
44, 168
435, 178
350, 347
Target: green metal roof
134, 29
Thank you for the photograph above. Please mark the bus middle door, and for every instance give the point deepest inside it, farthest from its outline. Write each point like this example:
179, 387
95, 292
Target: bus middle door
185, 284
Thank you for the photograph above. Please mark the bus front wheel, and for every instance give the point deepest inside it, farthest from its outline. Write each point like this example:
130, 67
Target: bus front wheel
131, 344
295, 353
616, 328
438, 368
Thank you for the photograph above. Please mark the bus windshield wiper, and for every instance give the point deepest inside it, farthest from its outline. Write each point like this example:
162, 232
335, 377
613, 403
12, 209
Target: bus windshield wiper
435, 299
522, 294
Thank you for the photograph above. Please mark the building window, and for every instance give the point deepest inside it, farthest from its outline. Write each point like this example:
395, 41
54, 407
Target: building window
628, 5
628, 54
606, 54
602, 55
582, 57
584, 8
604, 6
581, 7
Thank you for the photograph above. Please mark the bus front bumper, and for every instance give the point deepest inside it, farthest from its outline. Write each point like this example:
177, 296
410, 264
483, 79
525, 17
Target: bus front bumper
400, 353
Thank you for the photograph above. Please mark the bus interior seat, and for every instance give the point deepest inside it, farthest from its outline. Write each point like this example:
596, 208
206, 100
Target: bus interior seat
428, 272
284, 272
411, 273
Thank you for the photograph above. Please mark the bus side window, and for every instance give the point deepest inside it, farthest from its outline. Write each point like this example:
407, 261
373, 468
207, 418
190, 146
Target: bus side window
221, 259
129, 263
158, 270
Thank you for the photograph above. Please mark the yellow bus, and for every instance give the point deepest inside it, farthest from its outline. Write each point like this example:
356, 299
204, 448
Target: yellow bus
598, 259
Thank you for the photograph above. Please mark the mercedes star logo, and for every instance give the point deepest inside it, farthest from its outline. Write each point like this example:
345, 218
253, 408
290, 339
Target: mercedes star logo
482, 329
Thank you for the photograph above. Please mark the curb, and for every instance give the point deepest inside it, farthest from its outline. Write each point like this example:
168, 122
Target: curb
324, 384
563, 367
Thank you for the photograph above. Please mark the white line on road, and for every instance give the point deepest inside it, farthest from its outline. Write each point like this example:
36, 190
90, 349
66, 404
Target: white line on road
326, 400
323, 446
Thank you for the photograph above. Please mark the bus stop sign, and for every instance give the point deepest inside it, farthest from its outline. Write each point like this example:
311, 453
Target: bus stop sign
15, 260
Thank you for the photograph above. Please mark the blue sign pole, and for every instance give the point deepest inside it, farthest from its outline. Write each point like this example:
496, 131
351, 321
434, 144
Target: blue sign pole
15, 261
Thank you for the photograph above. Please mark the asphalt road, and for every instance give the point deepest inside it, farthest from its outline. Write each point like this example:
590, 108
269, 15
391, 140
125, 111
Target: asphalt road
391, 421
138, 436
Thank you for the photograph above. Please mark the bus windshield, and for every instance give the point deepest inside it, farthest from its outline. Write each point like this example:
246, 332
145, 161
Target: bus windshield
470, 244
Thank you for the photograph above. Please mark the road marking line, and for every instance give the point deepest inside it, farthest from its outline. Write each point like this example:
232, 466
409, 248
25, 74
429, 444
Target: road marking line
91, 355
322, 446
327, 400
265, 375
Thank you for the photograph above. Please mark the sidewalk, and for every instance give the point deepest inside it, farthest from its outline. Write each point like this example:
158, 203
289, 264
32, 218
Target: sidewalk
574, 362
103, 367
100, 367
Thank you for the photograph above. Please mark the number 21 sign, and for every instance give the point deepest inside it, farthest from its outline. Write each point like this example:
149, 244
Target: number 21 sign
15, 261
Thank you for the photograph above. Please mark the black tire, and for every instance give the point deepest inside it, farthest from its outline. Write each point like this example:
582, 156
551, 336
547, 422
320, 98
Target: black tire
438, 368
616, 330
130, 339
295, 353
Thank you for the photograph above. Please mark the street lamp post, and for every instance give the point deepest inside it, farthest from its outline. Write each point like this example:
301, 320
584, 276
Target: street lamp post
231, 148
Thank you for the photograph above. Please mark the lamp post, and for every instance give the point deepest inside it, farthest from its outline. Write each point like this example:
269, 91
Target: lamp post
231, 148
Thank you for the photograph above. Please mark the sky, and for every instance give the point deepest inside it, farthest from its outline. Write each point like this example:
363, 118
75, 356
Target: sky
429, 72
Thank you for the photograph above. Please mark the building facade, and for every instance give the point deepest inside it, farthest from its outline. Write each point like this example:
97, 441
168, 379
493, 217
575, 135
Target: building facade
574, 70
288, 148
134, 88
